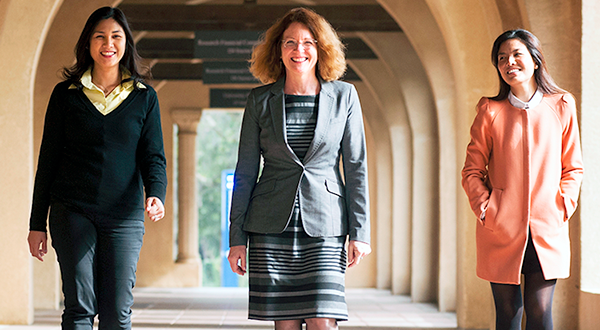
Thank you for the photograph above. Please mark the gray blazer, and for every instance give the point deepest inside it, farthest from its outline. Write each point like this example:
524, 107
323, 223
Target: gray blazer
330, 204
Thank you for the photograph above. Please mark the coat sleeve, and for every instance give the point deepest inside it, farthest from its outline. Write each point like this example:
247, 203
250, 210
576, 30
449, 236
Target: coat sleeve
151, 153
48, 161
572, 161
246, 173
475, 171
354, 158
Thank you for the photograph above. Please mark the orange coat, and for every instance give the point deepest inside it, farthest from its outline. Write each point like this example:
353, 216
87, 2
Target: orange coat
524, 169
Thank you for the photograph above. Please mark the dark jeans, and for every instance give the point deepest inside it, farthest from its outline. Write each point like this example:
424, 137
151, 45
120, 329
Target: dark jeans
98, 258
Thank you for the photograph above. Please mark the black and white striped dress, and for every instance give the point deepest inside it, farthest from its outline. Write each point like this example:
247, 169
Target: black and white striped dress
292, 275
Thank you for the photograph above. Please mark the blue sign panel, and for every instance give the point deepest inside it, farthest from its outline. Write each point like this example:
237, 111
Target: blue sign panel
225, 44
228, 277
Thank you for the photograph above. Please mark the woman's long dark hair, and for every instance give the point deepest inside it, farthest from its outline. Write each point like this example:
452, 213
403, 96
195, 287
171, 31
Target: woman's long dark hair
543, 79
130, 61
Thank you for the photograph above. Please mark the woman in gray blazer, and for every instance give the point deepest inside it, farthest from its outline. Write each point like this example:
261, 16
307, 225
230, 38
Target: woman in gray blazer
312, 193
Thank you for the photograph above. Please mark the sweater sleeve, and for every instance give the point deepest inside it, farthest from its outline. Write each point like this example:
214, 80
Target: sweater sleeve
150, 151
48, 161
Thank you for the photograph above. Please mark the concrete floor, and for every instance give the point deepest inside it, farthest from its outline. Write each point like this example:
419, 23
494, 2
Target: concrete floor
226, 308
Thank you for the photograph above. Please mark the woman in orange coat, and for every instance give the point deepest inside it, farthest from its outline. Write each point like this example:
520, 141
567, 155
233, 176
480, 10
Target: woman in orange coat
522, 176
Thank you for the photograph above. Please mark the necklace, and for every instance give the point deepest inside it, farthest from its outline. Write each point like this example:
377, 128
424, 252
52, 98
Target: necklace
108, 89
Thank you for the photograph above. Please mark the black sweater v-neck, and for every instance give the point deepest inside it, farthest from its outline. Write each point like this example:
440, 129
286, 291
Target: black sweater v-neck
96, 163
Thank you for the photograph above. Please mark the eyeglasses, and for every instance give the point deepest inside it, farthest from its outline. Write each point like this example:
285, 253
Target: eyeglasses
293, 44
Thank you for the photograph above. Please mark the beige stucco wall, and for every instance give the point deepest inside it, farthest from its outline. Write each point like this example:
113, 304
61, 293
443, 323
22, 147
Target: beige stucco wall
590, 135
22, 32
365, 275
410, 110
420, 26
381, 84
380, 172
589, 296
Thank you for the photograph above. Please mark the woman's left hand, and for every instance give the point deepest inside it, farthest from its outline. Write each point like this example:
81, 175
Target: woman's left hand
155, 208
356, 251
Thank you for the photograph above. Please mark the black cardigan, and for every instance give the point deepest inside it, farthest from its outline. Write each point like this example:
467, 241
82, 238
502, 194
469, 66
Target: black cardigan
99, 164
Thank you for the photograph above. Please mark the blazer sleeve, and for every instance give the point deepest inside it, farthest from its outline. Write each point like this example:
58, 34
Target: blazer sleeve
354, 158
246, 172
474, 172
572, 160
49, 160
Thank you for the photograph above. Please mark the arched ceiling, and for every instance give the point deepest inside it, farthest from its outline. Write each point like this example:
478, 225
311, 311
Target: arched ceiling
164, 29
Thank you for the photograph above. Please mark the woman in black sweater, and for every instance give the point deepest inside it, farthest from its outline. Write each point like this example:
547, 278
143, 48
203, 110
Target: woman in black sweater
102, 146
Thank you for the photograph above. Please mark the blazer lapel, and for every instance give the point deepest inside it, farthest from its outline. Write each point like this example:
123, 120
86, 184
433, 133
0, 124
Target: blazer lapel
277, 108
323, 118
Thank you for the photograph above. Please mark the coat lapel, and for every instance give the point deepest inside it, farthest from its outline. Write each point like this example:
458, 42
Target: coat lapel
323, 118
277, 108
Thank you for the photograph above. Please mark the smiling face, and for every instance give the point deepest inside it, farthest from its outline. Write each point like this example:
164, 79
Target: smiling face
107, 44
515, 64
301, 59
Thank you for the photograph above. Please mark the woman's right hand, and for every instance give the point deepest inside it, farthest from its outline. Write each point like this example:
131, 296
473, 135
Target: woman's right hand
36, 240
237, 259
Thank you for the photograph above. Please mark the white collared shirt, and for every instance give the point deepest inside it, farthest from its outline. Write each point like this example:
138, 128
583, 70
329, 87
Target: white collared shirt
535, 100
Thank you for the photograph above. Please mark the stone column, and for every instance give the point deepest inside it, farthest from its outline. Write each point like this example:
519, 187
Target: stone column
187, 238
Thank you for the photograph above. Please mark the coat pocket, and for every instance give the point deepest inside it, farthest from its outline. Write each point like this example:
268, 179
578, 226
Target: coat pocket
337, 207
490, 220
561, 205
334, 188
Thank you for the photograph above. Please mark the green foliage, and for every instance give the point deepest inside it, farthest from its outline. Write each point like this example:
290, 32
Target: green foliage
217, 143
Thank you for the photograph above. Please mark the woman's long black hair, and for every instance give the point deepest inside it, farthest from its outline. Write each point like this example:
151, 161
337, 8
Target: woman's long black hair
130, 61
543, 79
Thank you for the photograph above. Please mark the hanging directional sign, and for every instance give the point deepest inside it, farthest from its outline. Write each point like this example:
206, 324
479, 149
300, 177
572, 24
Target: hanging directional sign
230, 72
225, 44
228, 98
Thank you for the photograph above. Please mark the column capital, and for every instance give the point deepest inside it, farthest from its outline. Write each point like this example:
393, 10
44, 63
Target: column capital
187, 119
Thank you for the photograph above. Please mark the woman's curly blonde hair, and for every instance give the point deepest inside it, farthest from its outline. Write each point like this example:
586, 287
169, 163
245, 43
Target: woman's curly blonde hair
266, 65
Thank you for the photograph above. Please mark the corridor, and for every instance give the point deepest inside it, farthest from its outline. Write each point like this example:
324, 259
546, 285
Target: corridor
226, 308
419, 67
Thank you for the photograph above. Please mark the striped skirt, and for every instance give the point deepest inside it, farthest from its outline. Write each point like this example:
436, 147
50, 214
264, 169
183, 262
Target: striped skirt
294, 276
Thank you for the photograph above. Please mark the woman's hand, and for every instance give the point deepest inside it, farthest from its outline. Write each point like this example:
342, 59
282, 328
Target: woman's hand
37, 239
155, 208
356, 251
237, 259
